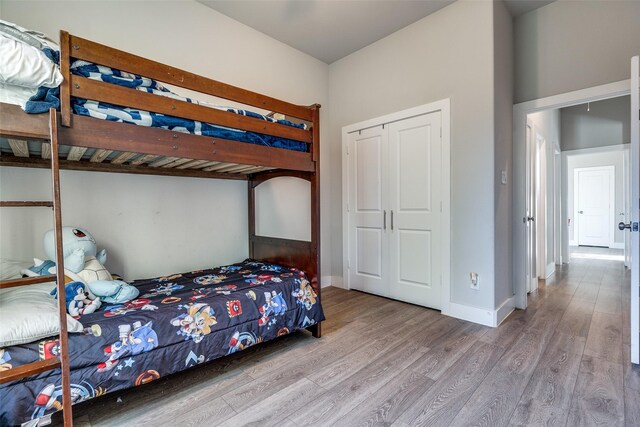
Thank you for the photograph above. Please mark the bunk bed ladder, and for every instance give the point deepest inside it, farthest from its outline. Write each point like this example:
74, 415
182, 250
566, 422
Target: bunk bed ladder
62, 361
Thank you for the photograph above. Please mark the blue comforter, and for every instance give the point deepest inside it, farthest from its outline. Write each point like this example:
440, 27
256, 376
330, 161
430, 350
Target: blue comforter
178, 321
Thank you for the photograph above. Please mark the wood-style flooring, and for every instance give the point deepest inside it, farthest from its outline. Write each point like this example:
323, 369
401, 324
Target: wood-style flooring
563, 361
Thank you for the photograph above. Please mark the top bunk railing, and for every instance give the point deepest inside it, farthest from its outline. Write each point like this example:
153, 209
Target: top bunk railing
73, 47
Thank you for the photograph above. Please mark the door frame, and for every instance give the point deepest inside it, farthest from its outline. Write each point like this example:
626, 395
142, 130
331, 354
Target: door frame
541, 199
557, 205
520, 112
634, 343
444, 106
611, 170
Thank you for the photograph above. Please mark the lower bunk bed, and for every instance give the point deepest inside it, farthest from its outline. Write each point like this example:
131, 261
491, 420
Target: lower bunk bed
176, 322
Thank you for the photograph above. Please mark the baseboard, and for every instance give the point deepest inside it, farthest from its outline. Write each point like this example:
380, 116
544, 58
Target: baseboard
480, 315
617, 246
505, 310
551, 268
331, 281
471, 314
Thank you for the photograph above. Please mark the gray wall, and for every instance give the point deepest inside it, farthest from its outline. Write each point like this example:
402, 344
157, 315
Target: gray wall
503, 85
570, 45
446, 55
606, 123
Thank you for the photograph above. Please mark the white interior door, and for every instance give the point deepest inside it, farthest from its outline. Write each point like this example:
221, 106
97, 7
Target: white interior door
367, 213
595, 190
415, 209
635, 210
529, 220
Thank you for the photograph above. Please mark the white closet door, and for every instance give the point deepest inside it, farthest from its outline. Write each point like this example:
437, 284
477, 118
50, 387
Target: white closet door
415, 200
367, 194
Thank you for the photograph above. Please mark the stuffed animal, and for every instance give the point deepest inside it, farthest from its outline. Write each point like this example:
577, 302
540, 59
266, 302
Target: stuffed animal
83, 263
77, 299
77, 245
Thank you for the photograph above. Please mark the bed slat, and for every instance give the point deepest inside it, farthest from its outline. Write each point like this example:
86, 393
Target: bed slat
20, 148
144, 159
122, 158
162, 162
233, 168
76, 153
46, 150
100, 155
177, 163
104, 55
193, 164
205, 165
218, 167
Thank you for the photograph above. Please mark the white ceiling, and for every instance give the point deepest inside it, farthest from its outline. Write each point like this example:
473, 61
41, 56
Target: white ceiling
332, 29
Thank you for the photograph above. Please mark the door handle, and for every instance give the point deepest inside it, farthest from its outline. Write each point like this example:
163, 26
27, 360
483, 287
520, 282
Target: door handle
580, 212
384, 220
391, 220
530, 218
622, 226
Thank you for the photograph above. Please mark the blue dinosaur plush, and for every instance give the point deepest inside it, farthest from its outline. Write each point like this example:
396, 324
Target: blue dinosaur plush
83, 263
77, 245
77, 299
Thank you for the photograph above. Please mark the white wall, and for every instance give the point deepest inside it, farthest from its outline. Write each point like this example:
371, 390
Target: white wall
614, 157
569, 45
446, 55
503, 84
547, 124
191, 36
150, 225
606, 123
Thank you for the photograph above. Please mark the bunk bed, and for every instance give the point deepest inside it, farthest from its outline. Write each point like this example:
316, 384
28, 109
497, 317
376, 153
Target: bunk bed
281, 277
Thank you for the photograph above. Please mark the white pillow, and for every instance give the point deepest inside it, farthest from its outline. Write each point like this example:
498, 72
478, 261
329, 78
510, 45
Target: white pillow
26, 66
29, 313
16, 95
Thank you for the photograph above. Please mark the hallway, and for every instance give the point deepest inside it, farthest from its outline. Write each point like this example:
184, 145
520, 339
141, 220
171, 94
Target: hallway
592, 292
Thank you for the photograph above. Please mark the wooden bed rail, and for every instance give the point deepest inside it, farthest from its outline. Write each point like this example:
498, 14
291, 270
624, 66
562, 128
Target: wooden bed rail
79, 48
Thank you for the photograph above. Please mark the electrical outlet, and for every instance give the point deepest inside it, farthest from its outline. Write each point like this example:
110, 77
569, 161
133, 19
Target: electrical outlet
475, 281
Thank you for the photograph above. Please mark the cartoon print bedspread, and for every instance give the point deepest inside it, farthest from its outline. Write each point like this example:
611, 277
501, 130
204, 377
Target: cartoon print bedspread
177, 322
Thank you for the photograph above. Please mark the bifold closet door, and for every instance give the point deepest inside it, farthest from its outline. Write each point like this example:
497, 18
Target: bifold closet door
368, 172
415, 210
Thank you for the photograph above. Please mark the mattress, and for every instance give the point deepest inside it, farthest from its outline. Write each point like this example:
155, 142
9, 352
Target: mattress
177, 322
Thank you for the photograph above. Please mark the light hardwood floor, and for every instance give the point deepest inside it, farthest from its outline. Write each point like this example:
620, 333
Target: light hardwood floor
563, 361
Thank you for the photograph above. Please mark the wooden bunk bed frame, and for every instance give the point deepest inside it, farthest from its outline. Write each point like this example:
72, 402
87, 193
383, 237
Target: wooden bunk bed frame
126, 148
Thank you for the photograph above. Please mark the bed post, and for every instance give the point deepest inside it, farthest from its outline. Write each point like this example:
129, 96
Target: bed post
315, 209
65, 95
